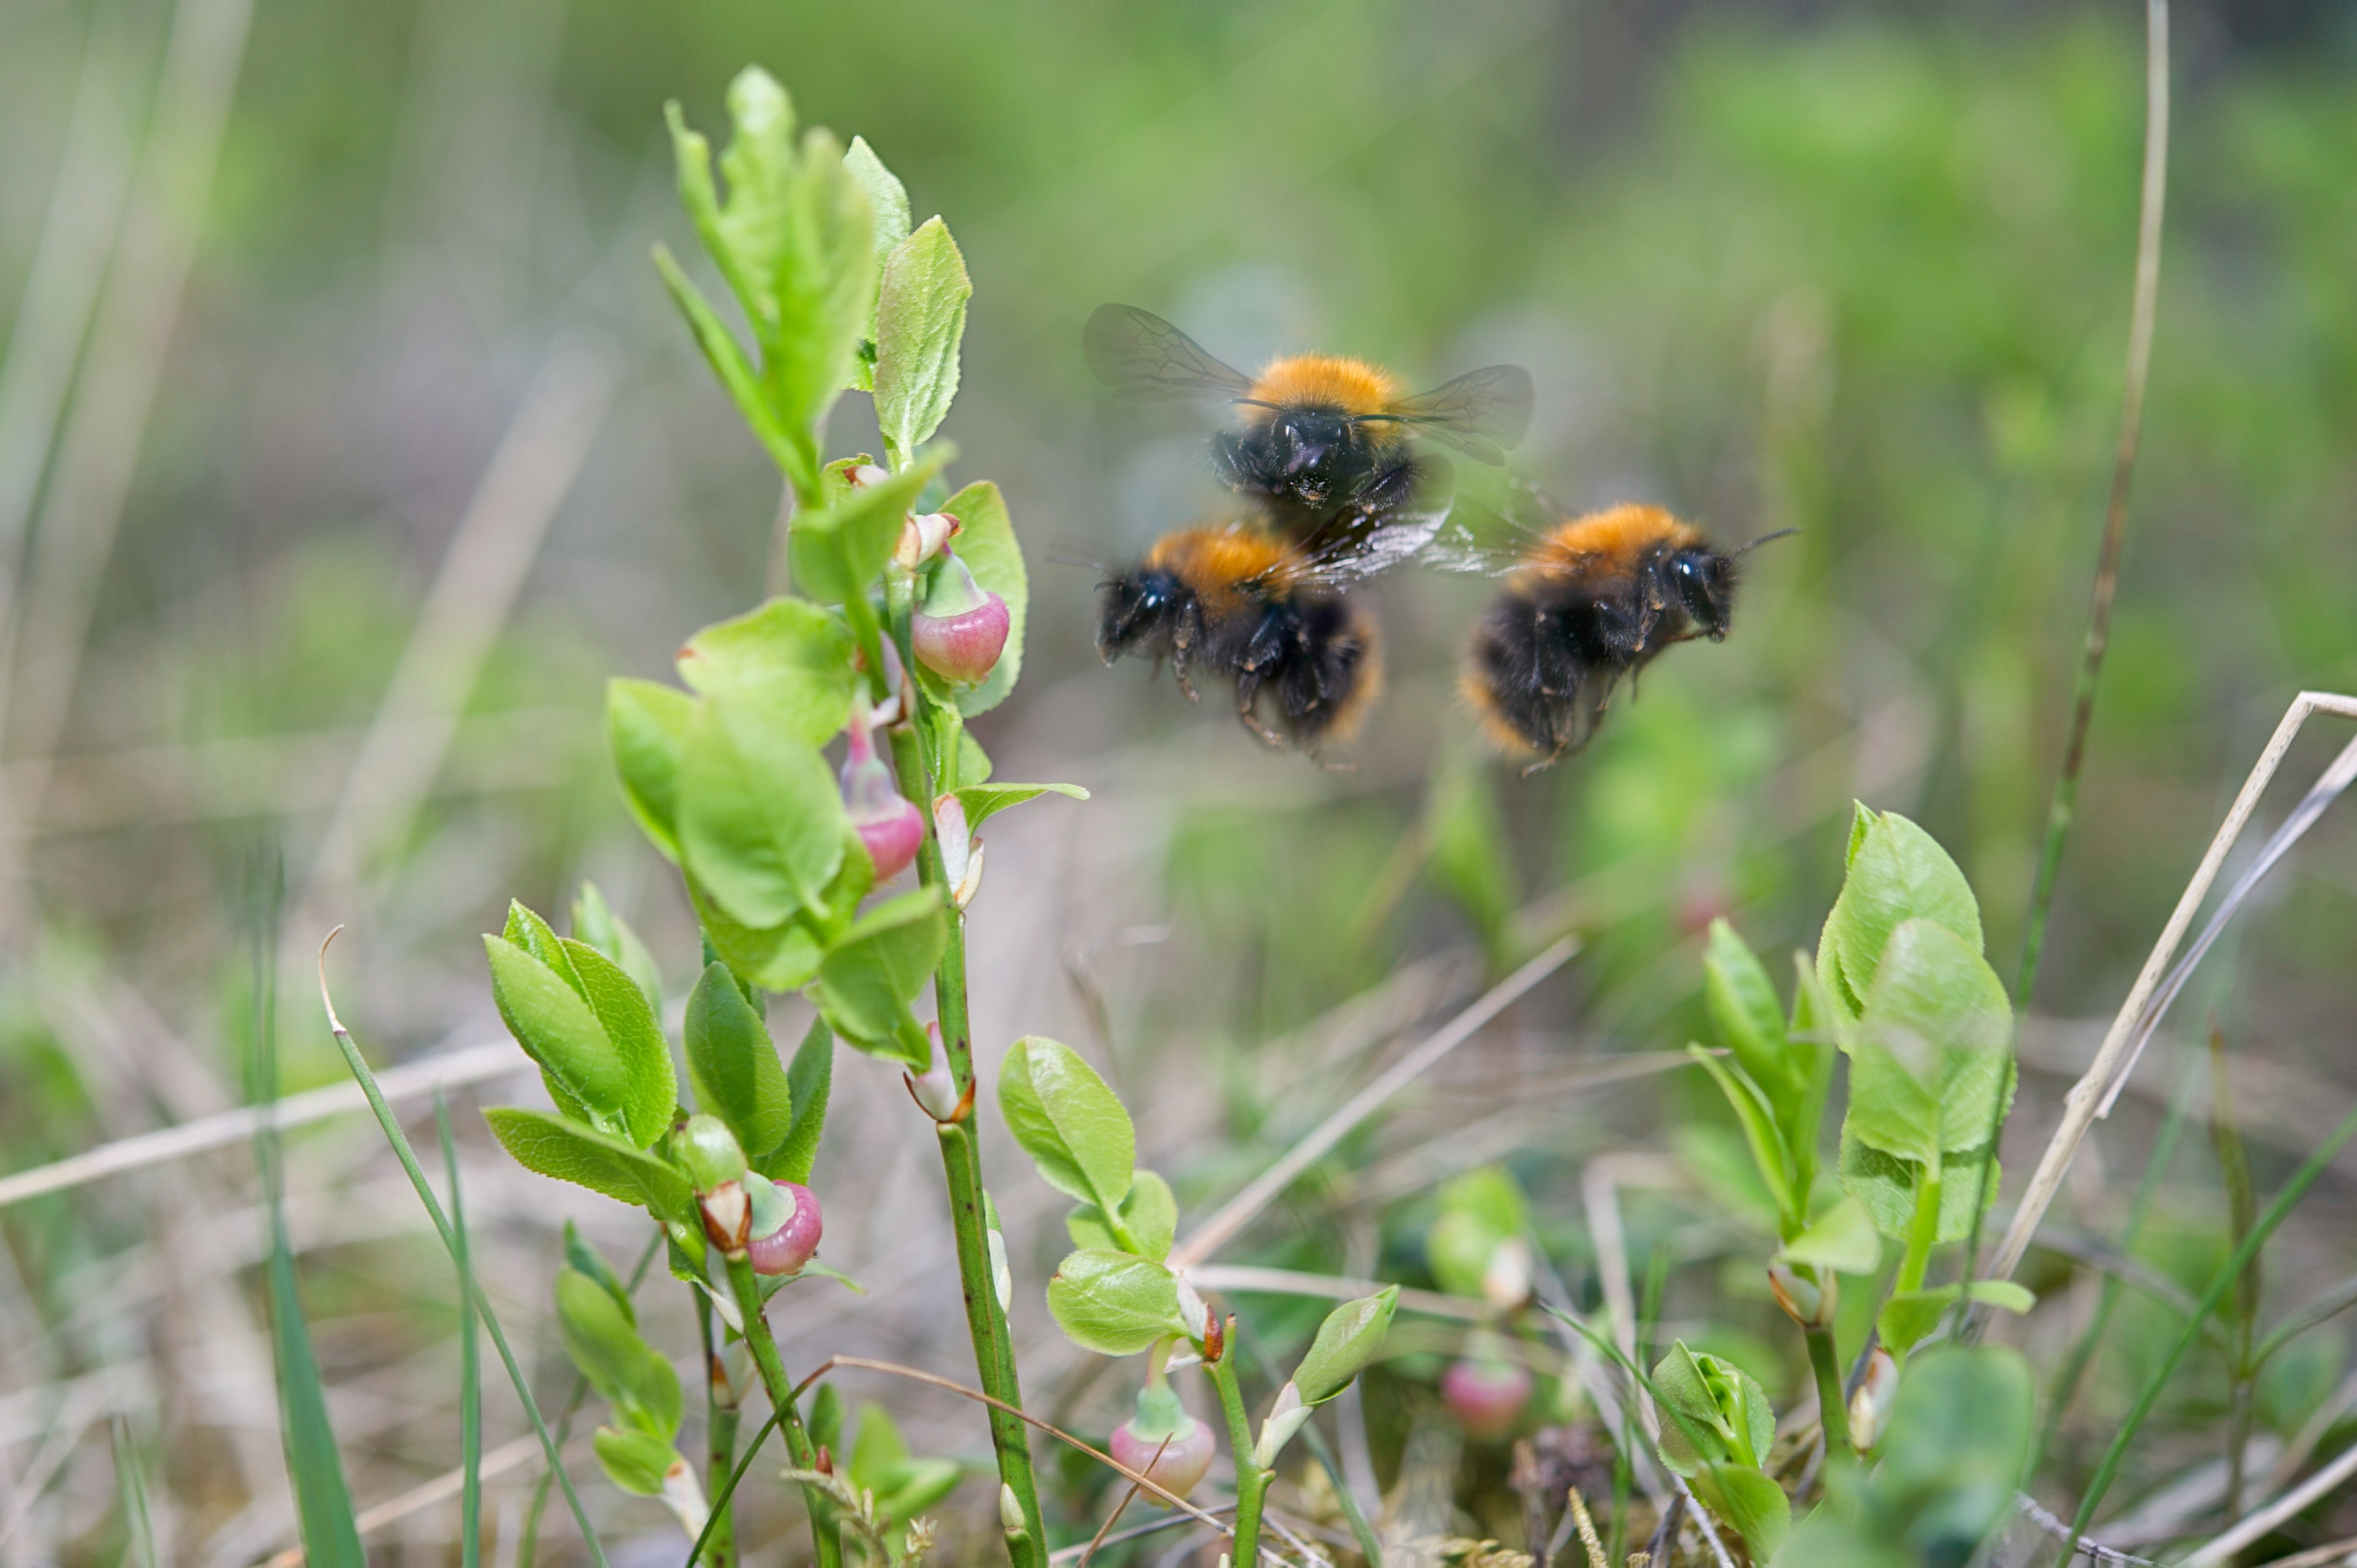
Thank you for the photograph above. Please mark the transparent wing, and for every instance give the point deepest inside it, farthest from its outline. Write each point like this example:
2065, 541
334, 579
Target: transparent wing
1480, 414
1138, 354
1353, 545
1492, 541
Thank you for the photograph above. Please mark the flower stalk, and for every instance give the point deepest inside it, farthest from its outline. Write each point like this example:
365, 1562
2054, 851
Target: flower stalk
746, 1287
1252, 1479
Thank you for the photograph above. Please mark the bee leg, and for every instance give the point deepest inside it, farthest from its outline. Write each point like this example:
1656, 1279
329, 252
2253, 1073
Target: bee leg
1388, 490
1248, 707
1182, 644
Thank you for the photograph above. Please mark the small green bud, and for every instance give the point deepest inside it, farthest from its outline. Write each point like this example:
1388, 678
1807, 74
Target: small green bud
1348, 1339
707, 1151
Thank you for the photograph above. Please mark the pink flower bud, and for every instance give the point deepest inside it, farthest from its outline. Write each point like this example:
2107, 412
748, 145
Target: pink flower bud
1184, 1462
1488, 1398
888, 825
1871, 1402
792, 1244
726, 1216
961, 629
924, 536
863, 476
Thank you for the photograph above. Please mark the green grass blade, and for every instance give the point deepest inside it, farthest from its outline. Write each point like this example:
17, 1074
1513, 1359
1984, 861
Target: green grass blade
408, 1156
131, 1481
528, 1538
2277, 1212
720, 1499
470, 1370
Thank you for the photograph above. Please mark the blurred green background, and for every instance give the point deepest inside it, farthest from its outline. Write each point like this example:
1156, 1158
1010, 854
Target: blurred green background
304, 293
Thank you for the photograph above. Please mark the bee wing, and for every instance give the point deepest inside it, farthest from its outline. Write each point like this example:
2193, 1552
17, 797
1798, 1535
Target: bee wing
1138, 354
1353, 546
1483, 540
1480, 414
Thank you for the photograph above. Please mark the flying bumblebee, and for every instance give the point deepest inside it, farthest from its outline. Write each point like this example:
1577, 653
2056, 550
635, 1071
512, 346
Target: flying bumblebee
1268, 612
1320, 440
1586, 600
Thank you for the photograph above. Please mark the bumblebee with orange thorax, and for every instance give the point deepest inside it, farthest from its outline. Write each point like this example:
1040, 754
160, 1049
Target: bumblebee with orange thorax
1324, 442
1263, 611
1586, 602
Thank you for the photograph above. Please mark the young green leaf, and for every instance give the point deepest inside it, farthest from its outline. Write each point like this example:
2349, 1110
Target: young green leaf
811, 1080
726, 358
1753, 1505
645, 725
636, 1462
1727, 1413
1755, 1116
1743, 1003
1480, 1211
581, 1256
973, 762
839, 550
1897, 873
775, 958
826, 280
1149, 1215
920, 319
1113, 1303
1908, 1316
619, 1364
761, 824
1072, 1125
790, 656
1351, 1336
982, 802
1886, 1183
567, 1151
1958, 1439
594, 922
629, 1023
991, 552
558, 1030
868, 979
1931, 1065
888, 198
733, 1064
1842, 1239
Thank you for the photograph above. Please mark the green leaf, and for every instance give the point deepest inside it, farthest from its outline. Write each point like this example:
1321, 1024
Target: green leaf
581, 1256
1480, 1211
773, 958
1150, 1214
1958, 1441
1842, 1239
1752, 1504
619, 1364
811, 1080
1753, 1114
989, 549
1743, 1003
982, 802
826, 280
557, 1029
1885, 1184
567, 1151
877, 1450
866, 981
1909, 1317
839, 550
1072, 1125
917, 1485
920, 319
594, 922
1726, 1414
1351, 1336
629, 1023
526, 929
888, 198
722, 352
634, 1461
1897, 873
1937, 1005
826, 1419
761, 824
1115, 1304
645, 725
973, 762
734, 1065
790, 656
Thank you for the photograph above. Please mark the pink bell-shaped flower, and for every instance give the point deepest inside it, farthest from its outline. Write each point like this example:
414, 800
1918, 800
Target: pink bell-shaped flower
890, 825
793, 1243
961, 629
1161, 1427
1487, 1397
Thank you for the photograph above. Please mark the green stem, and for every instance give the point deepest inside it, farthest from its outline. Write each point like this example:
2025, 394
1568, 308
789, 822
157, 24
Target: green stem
747, 1287
986, 1316
1922, 1233
1833, 1411
871, 637
1252, 1481
720, 1428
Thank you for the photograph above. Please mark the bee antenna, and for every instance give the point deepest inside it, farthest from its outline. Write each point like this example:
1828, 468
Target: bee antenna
1092, 564
1764, 539
1251, 401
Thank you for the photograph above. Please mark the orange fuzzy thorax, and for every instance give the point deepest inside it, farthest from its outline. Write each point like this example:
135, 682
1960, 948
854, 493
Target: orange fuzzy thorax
1214, 561
1324, 380
1612, 542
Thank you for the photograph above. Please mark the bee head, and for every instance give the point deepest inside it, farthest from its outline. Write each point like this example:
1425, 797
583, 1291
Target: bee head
1134, 607
1313, 439
1705, 582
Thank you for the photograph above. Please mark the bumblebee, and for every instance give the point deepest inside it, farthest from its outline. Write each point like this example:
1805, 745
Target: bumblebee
1587, 601
1266, 612
1323, 442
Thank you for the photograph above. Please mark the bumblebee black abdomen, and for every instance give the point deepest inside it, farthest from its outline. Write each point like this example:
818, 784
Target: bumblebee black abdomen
1538, 673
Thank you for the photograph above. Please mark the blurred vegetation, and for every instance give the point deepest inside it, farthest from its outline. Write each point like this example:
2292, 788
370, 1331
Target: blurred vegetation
1857, 269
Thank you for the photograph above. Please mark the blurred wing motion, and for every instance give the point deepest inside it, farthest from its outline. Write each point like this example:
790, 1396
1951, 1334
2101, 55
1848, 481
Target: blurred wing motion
1489, 540
1480, 414
1353, 545
1138, 354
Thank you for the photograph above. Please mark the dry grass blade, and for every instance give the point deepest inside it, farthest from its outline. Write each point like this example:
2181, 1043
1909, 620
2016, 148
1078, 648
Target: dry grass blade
474, 1064
1263, 1189
425, 1494
2261, 1522
1122, 1507
2091, 1095
1330, 1287
1588, 1541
